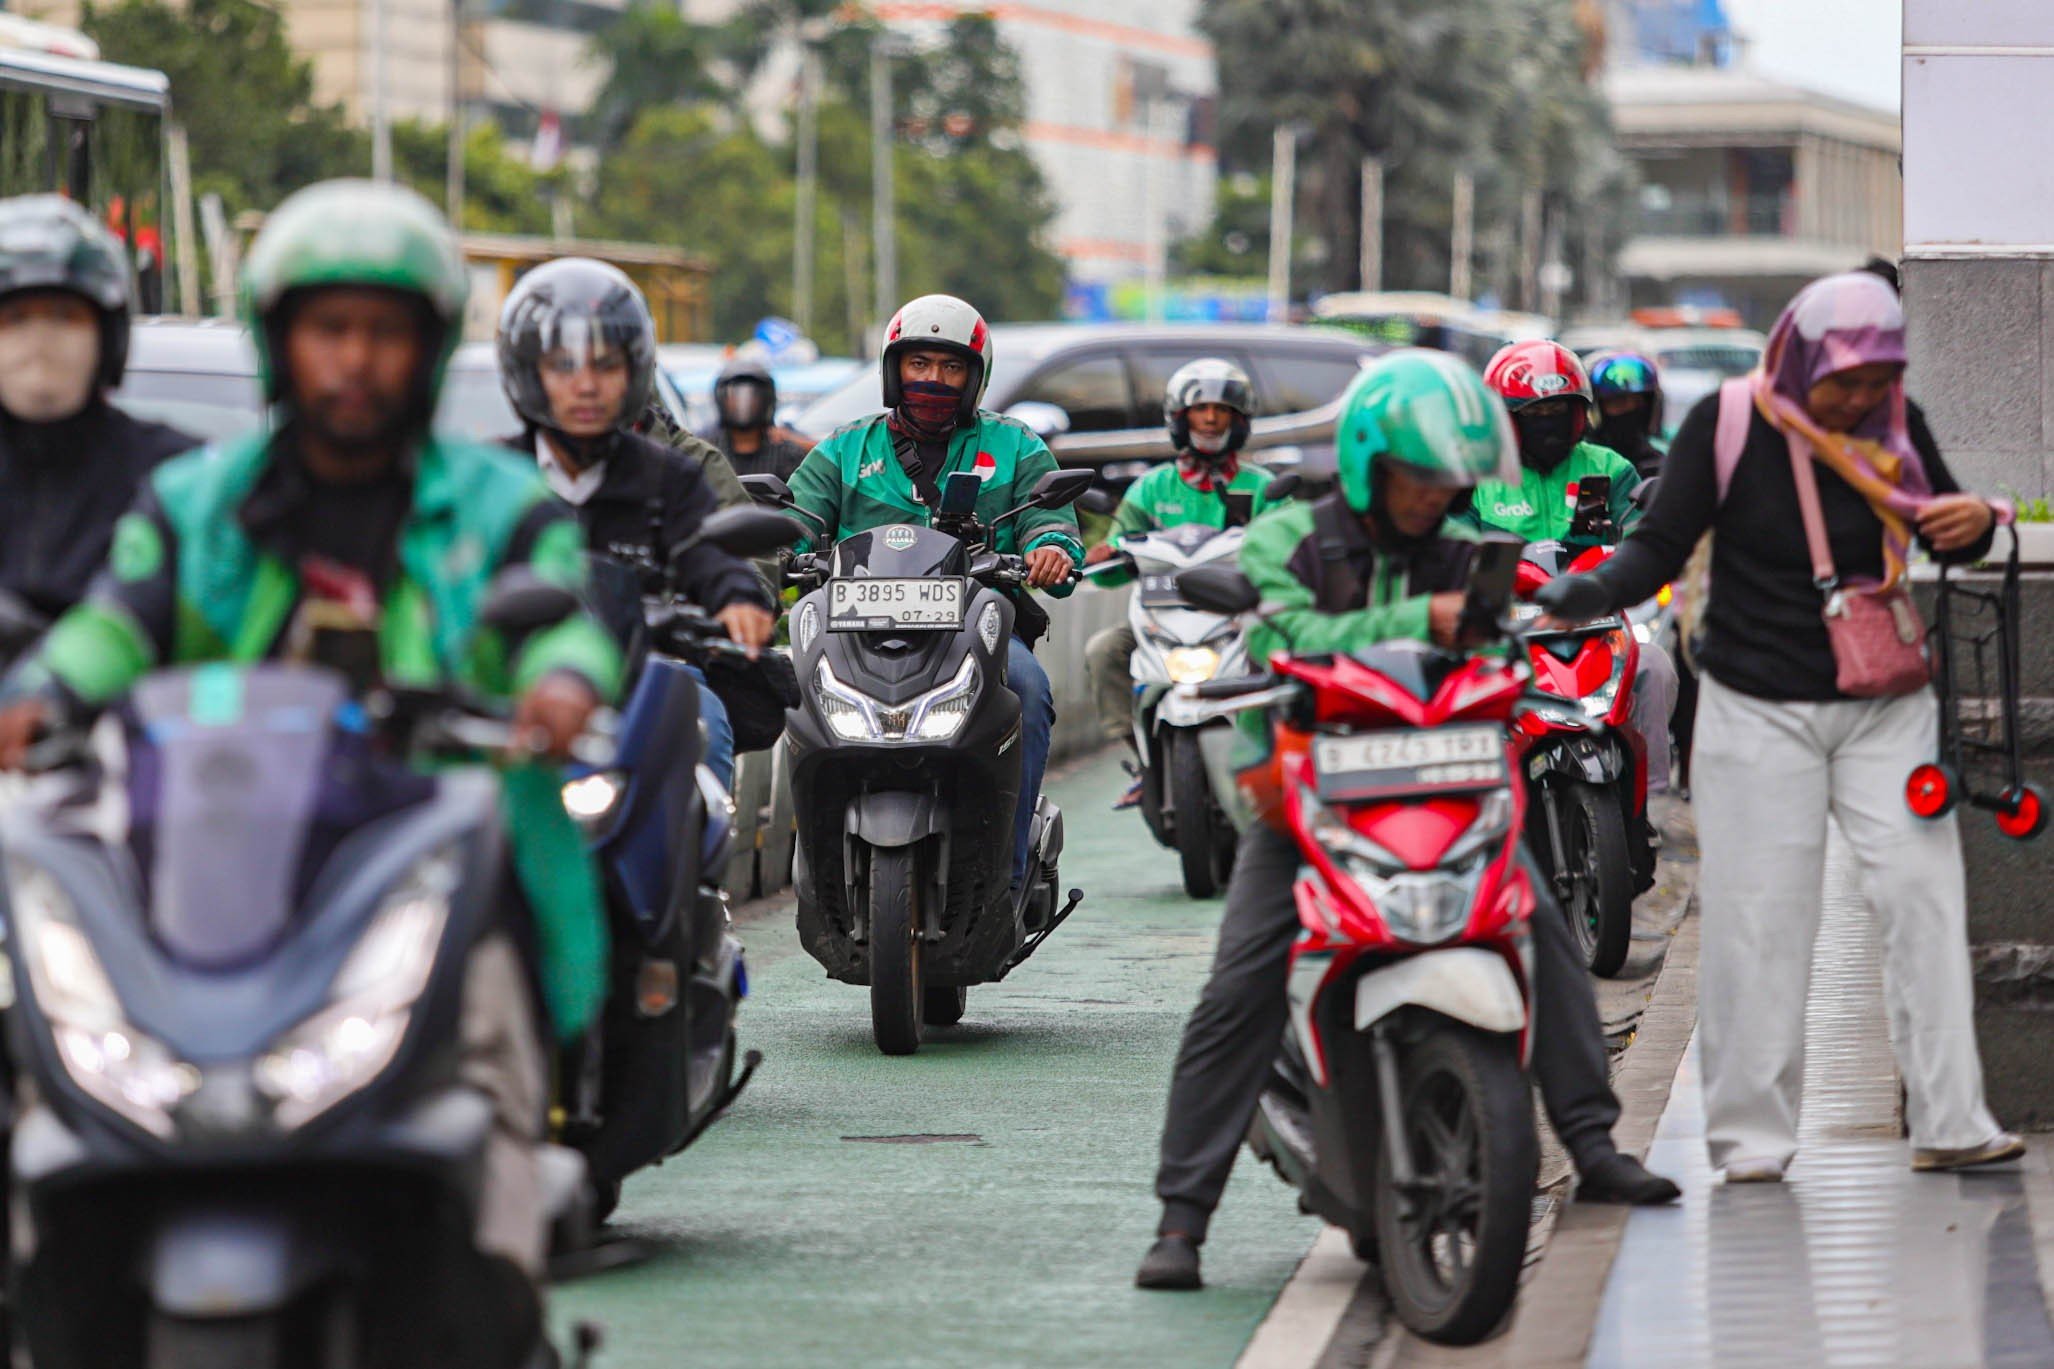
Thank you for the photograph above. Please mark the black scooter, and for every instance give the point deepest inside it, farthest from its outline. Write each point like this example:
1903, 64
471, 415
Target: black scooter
237, 960
905, 762
659, 1066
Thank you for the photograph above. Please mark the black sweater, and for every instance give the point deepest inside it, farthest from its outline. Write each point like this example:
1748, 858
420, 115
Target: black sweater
1762, 631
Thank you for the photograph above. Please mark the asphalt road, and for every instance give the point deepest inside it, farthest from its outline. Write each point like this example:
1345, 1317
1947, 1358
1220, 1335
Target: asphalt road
981, 1203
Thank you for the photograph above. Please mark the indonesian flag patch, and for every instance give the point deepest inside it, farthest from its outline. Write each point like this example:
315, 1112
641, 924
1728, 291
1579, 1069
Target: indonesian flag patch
985, 466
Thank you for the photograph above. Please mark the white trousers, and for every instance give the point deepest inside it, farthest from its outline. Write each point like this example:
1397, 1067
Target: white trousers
1764, 777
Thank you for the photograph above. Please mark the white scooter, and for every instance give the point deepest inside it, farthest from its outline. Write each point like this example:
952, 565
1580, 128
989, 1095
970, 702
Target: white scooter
1183, 749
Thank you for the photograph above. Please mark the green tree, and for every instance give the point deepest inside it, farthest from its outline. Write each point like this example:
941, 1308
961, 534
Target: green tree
246, 101
655, 56
502, 193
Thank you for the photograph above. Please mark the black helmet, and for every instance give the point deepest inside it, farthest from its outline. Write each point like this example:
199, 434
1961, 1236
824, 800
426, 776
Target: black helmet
579, 306
49, 243
1209, 381
732, 394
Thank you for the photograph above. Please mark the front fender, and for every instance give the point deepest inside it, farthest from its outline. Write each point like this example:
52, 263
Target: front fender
894, 817
1467, 983
1593, 760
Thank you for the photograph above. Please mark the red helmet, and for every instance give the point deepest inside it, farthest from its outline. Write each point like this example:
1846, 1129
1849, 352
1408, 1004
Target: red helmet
1525, 373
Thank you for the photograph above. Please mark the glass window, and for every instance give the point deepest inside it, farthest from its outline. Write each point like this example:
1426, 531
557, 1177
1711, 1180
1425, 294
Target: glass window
210, 406
1296, 381
1092, 390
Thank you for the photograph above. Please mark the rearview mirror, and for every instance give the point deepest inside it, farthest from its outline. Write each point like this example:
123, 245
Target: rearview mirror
1643, 495
1043, 420
1058, 489
746, 530
519, 601
1099, 499
1282, 487
1217, 589
768, 489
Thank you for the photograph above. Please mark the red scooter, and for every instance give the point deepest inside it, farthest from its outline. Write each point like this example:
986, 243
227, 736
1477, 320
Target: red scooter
1585, 766
1399, 1107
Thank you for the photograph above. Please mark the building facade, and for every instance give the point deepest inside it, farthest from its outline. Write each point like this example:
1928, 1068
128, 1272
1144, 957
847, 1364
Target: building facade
1748, 187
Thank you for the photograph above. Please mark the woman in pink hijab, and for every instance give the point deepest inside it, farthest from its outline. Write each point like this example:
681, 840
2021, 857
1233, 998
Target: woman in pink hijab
1780, 748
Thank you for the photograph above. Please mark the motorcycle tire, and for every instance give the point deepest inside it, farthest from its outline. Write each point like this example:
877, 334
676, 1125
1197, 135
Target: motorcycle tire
1198, 845
1451, 1248
944, 1007
896, 998
225, 1343
1600, 902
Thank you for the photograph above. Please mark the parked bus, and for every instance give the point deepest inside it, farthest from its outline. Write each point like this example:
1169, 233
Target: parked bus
94, 131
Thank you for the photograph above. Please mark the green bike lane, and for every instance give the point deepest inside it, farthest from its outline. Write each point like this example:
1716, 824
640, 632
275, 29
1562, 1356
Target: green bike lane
980, 1203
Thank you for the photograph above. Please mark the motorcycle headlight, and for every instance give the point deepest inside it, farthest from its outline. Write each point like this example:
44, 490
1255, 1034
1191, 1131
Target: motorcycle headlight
349, 1042
805, 625
934, 716
116, 1063
1642, 633
1191, 664
591, 799
1421, 906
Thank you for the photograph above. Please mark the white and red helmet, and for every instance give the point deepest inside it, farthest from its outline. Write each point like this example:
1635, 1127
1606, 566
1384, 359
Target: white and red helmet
946, 323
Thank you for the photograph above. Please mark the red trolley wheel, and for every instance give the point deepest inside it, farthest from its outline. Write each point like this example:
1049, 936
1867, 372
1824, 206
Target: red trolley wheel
1931, 790
2023, 812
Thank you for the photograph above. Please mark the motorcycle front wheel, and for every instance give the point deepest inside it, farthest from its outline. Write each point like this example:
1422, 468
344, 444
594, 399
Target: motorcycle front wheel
1198, 842
1600, 869
896, 996
1453, 1243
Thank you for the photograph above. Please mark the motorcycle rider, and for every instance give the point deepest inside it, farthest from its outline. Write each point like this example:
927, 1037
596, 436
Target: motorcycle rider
1377, 559
70, 461
1207, 406
1552, 404
745, 399
1628, 390
577, 356
890, 468
349, 511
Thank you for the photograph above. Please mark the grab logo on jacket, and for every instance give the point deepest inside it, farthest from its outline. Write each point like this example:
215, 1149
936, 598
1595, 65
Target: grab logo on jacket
1522, 509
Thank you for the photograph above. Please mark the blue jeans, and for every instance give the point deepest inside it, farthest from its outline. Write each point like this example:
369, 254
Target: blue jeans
1037, 719
720, 735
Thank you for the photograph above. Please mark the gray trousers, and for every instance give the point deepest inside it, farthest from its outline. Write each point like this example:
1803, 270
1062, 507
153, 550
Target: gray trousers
1233, 1036
1764, 776
1652, 708
501, 1057
1108, 658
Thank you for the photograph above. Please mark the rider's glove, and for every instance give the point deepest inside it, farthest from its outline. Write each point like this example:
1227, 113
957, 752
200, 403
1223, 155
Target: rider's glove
1574, 598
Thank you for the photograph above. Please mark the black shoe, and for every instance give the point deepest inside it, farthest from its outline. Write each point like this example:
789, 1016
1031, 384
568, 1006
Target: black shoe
1172, 1262
1622, 1179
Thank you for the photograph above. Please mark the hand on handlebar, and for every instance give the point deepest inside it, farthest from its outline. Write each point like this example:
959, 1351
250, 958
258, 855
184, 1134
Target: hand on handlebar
20, 724
549, 718
749, 625
1047, 566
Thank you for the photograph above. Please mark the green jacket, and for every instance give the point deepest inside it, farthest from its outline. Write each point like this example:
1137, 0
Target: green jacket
1164, 499
1540, 508
853, 482
188, 580
1303, 577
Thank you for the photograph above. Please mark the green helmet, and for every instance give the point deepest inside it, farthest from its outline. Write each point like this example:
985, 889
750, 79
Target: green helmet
360, 233
1429, 413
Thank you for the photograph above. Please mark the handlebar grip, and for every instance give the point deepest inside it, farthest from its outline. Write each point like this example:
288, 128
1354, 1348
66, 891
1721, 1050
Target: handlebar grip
1233, 686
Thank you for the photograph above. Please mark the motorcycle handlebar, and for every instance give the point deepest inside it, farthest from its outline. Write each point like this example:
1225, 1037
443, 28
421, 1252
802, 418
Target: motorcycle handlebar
1232, 687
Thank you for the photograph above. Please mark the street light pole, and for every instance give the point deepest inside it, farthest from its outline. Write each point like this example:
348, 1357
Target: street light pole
883, 215
381, 120
1461, 245
803, 212
454, 189
1372, 223
1283, 197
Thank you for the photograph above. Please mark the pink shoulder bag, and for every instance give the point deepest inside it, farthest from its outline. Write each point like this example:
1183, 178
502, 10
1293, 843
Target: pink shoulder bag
1879, 640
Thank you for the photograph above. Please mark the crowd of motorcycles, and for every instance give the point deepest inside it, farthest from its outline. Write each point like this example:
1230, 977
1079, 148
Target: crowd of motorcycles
269, 1133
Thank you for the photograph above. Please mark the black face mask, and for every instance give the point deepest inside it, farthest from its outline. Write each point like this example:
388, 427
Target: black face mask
1545, 442
1624, 432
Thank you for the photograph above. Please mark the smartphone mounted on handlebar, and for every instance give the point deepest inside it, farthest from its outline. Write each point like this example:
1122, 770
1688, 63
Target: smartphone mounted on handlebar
1491, 577
1592, 521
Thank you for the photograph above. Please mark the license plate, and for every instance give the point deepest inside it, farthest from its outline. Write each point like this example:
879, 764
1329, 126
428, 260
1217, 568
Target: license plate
1439, 760
1160, 591
879, 605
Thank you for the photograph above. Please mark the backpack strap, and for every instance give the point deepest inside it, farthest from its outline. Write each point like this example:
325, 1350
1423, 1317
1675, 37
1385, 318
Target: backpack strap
1736, 413
1340, 587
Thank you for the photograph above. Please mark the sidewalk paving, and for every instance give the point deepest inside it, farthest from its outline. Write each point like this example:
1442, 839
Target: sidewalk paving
1854, 1260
